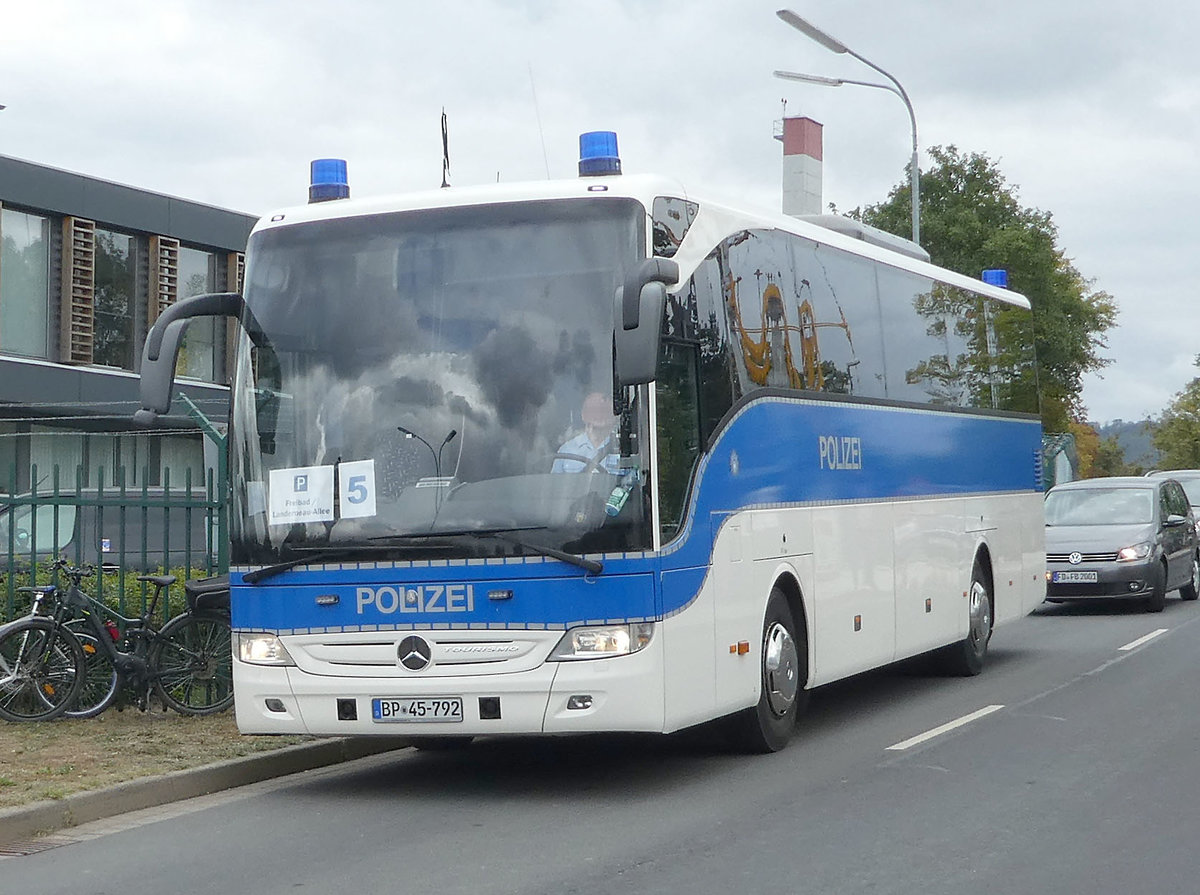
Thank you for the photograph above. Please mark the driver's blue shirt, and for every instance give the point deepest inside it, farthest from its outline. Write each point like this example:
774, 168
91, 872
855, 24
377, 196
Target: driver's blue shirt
581, 446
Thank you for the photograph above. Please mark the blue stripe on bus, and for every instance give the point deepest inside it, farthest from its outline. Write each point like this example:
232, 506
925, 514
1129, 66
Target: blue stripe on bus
777, 451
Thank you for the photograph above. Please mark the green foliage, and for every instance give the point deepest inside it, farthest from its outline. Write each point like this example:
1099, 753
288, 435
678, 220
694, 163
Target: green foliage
1110, 460
971, 221
119, 591
1178, 432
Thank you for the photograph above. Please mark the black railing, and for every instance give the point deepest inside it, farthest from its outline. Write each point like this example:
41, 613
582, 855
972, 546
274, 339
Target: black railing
128, 530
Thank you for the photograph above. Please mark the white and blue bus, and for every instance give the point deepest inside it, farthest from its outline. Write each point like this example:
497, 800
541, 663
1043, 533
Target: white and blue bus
603, 455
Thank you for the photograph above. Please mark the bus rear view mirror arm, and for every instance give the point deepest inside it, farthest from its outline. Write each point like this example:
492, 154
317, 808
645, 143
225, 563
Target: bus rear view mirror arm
162, 348
216, 304
637, 315
633, 297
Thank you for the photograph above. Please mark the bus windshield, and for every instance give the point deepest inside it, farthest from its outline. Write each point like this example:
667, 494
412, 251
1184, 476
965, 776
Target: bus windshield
438, 371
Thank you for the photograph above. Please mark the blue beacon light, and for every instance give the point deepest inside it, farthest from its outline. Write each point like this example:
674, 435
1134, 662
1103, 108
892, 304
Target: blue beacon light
328, 180
598, 154
996, 277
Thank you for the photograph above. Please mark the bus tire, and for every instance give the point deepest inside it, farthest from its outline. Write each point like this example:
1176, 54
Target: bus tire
965, 658
783, 669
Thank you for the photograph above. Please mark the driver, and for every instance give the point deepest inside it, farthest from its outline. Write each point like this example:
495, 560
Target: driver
596, 439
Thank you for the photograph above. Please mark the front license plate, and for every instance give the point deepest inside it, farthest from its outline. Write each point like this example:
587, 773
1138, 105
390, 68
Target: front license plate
1074, 577
412, 710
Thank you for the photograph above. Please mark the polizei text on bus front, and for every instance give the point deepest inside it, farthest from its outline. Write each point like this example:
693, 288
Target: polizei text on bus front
840, 451
420, 598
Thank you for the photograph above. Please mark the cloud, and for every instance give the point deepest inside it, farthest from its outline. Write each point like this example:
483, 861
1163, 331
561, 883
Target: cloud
1090, 109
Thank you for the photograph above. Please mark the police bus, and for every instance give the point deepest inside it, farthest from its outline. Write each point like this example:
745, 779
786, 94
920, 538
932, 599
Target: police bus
604, 455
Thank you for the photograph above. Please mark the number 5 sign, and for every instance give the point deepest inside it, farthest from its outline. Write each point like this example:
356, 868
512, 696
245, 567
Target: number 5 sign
356, 489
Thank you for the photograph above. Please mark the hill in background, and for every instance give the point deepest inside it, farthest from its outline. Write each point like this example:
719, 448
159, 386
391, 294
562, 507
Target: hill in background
1134, 439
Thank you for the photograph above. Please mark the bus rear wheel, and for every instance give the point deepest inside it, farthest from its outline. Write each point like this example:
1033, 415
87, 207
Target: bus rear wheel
783, 669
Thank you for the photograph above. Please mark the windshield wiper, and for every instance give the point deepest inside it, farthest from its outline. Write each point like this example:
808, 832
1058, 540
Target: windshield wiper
502, 534
317, 554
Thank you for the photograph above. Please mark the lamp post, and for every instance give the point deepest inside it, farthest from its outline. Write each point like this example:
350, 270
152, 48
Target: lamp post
836, 46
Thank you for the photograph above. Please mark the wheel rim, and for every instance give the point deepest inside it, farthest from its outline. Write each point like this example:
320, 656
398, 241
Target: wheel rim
780, 669
981, 616
38, 675
1195, 574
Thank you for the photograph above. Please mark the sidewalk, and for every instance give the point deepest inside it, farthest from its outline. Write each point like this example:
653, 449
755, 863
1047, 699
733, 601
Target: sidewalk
80, 808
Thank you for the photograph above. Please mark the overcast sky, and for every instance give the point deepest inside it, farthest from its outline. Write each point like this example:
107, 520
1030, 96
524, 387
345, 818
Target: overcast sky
1091, 108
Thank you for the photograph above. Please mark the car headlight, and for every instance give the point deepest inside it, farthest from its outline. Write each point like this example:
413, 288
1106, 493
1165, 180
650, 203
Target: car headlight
602, 641
1137, 551
262, 649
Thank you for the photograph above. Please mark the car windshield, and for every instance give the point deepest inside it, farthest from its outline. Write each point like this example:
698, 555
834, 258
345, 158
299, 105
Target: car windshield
1191, 487
1100, 506
444, 370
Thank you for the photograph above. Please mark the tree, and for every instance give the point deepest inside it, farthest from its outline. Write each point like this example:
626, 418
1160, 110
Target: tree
971, 221
1110, 460
1087, 446
1178, 432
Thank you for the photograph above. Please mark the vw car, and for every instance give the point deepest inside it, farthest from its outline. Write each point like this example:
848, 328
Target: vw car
1121, 537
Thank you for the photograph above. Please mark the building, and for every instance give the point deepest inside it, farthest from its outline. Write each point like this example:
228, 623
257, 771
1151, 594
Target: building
86, 266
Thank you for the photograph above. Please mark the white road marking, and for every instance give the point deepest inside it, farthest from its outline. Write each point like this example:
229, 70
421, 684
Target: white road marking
1136, 643
945, 728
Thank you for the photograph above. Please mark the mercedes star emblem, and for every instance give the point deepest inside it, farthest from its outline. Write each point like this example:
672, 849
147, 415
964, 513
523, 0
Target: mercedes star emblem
414, 653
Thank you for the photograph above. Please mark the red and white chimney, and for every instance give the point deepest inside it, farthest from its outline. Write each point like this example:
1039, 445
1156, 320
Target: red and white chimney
801, 166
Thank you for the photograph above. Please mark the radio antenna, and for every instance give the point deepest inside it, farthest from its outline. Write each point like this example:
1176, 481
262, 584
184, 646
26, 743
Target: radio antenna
445, 150
538, 115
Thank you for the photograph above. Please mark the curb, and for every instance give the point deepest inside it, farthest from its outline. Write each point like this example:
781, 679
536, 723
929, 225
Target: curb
150, 792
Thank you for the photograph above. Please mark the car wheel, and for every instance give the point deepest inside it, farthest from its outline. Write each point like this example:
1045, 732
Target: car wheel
1191, 590
1157, 601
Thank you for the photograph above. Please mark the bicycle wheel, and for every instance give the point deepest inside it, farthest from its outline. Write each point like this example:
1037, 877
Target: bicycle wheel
41, 670
192, 660
101, 680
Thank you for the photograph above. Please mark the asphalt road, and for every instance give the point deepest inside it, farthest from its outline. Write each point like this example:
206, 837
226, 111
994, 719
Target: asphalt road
1078, 773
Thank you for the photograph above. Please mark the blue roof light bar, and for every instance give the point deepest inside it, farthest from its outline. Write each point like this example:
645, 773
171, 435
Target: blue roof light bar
598, 154
328, 180
996, 277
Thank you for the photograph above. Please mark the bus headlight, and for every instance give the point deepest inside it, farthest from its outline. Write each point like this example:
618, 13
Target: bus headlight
602, 641
262, 649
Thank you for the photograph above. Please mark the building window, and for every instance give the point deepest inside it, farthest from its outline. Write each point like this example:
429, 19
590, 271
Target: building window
197, 354
116, 265
24, 283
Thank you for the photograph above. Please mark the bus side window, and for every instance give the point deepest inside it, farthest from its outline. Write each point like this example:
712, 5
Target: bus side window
677, 396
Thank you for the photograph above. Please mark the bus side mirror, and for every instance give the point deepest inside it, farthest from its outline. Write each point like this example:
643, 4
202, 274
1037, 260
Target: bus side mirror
161, 350
637, 314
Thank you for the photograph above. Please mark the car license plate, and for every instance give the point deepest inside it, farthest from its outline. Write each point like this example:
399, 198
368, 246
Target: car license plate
387, 709
1074, 577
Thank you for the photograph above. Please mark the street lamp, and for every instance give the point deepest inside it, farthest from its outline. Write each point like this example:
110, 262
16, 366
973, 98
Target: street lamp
836, 46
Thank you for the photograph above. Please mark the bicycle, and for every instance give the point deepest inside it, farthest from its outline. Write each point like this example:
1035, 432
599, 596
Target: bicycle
42, 669
186, 664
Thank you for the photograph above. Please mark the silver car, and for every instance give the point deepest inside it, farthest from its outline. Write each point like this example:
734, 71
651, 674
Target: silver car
1121, 537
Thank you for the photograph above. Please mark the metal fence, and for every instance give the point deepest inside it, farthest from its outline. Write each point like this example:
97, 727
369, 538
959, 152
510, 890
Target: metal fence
145, 529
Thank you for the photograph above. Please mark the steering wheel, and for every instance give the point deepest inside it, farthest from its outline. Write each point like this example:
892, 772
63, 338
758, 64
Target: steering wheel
592, 465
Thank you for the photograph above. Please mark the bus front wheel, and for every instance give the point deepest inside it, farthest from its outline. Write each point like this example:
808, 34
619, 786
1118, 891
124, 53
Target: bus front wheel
965, 658
783, 668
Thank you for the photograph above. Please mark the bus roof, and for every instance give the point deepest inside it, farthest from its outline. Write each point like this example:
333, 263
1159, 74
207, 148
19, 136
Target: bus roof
714, 222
